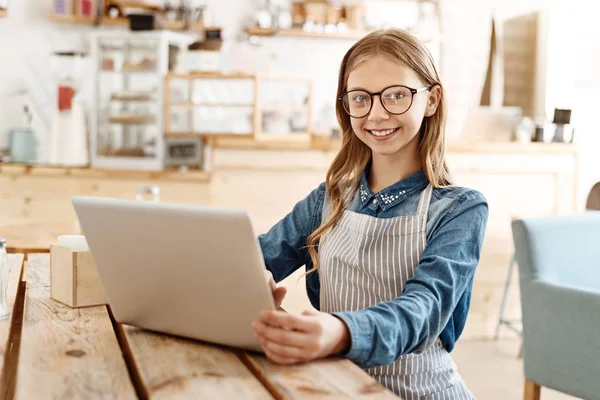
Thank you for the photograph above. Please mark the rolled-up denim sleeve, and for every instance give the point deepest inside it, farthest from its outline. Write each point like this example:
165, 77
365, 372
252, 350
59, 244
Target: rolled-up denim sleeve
284, 245
414, 320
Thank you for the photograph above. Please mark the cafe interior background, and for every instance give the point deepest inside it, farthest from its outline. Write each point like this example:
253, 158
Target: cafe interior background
231, 103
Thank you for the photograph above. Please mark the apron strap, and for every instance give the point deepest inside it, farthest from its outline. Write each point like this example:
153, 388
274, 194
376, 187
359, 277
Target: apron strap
424, 200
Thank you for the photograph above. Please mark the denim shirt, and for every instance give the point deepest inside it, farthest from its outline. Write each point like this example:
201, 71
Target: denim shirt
434, 302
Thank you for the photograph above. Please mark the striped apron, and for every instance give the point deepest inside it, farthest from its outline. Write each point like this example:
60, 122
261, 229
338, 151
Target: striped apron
366, 260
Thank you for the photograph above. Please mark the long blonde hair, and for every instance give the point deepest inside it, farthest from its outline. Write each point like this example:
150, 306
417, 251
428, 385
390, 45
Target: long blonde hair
346, 170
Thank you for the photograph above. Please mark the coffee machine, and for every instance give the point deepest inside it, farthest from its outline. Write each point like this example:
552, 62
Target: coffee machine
559, 130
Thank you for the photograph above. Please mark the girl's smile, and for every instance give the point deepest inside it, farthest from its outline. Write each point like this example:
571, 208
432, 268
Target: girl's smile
383, 134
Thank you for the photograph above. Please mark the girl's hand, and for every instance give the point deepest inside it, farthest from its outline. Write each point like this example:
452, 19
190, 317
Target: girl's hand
278, 291
292, 339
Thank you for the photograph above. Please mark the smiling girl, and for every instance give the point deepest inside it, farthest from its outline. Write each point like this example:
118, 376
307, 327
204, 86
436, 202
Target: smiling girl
390, 245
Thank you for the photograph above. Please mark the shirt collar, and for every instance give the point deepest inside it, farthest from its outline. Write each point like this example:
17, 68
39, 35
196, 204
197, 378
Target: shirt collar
391, 195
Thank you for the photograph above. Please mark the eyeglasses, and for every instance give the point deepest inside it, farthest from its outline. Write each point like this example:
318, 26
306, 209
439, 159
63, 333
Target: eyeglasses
395, 100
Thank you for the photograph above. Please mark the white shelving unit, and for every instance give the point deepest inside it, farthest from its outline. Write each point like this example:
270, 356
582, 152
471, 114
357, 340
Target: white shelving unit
127, 113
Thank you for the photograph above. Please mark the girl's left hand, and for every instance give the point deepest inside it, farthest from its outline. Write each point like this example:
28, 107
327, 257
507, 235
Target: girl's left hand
292, 339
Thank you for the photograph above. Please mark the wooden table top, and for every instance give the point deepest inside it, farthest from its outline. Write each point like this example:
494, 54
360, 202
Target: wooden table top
54, 351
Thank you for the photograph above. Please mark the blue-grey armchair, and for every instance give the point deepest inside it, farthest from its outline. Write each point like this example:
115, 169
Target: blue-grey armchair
559, 276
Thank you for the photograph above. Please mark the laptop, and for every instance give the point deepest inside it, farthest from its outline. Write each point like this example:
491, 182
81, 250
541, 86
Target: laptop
185, 270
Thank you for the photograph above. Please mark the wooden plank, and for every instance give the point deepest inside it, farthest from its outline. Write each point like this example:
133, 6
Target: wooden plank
11, 324
215, 75
328, 378
72, 19
189, 369
298, 32
67, 353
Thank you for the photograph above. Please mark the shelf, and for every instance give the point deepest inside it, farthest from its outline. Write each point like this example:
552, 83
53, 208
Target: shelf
115, 21
194, 105
129, 70
128, 46
72, 19
234, 136
107, 21
3, 13
216, 75
132, 119
132, 97
298, 32
166, 25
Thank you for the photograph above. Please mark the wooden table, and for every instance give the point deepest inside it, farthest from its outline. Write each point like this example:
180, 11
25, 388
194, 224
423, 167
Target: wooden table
48, 350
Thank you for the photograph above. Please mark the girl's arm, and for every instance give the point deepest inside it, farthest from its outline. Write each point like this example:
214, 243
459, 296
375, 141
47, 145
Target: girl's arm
284, 245
414, 320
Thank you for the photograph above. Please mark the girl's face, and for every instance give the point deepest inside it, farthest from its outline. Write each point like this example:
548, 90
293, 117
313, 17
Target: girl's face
387, 134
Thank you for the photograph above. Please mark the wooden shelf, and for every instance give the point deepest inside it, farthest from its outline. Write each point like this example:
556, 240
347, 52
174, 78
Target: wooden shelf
3, 13
133, 96
216, 75
132, 119
193, 105
72, 19
115, 21
210, 135
298, 32
129, 70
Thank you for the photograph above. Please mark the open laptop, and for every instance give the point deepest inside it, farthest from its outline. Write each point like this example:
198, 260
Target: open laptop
192, 271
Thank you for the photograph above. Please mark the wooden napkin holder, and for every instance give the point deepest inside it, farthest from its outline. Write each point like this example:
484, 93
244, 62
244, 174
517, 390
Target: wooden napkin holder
74, 280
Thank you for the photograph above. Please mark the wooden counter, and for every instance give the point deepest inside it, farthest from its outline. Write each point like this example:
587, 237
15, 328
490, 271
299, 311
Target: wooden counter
41, 194
76, 172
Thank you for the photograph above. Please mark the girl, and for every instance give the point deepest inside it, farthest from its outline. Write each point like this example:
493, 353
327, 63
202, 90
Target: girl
391, 247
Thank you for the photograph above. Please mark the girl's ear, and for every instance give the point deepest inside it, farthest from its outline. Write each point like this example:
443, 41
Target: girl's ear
435, 95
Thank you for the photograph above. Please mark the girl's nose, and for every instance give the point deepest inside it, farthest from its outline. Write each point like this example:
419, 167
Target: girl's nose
378, 113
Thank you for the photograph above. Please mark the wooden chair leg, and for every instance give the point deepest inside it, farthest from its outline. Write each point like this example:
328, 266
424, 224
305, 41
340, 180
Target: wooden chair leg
532, 391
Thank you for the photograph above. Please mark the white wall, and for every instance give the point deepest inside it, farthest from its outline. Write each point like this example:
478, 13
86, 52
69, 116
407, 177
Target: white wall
573, 79
27, 39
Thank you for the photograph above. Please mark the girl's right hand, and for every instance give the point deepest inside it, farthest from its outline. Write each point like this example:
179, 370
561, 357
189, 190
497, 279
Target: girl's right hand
278, 291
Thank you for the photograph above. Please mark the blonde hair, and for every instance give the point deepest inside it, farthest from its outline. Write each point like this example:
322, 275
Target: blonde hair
346, 170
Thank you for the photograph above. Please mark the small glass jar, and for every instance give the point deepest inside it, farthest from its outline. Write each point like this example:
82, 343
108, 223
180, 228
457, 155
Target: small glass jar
4, 312
148, 193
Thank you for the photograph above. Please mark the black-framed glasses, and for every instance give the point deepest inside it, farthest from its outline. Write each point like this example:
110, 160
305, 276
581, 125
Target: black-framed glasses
395, 99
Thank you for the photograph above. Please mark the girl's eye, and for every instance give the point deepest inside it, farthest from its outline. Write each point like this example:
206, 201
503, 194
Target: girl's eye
396, 96
359, 98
